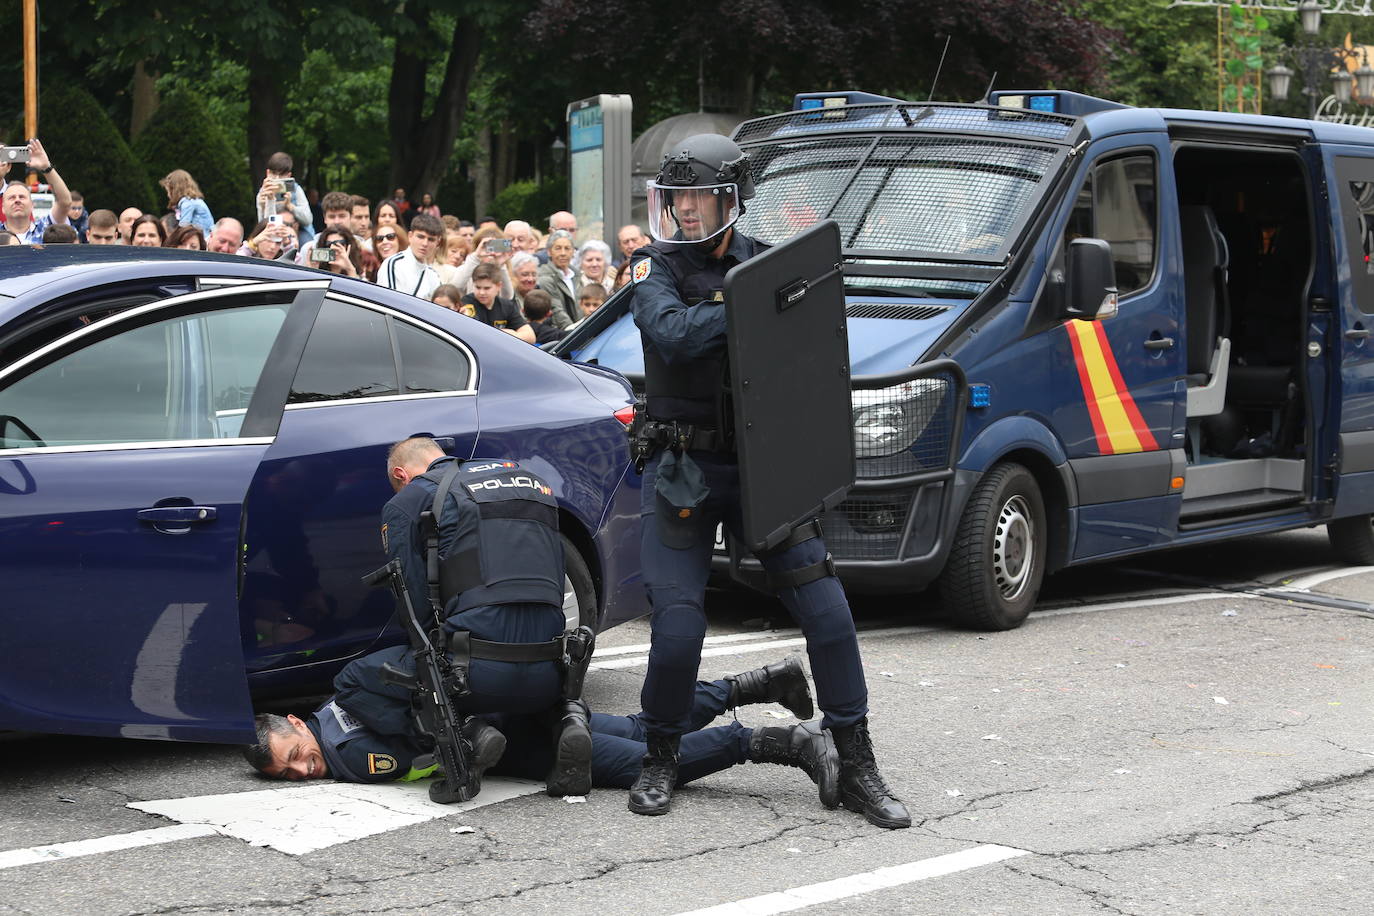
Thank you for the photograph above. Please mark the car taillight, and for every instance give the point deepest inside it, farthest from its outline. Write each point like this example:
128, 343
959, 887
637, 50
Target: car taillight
626, 415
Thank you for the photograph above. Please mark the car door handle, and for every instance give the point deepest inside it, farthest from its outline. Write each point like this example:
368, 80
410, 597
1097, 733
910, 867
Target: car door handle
181, 514
1159, 343
1357, 334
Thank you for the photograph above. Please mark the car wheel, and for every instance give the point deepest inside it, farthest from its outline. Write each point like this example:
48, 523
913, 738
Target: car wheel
1352, 539
997, 561
579, 592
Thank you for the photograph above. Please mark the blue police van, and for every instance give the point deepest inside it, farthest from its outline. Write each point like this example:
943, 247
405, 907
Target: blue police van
1078, 331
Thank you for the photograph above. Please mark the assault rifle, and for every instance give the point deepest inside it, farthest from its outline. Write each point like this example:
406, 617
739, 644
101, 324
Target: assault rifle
434, 711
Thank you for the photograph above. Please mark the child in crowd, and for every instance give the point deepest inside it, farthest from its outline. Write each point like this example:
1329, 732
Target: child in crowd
538, 307
591, 296
451, 298
492, 308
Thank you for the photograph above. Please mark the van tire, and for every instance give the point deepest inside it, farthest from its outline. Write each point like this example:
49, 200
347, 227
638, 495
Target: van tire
579, 591
1352, 539
997, 560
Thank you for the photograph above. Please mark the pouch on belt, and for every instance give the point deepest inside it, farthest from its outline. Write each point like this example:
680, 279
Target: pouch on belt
680, 489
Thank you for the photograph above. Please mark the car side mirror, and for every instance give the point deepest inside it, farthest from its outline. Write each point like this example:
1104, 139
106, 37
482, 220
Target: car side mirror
1092, 280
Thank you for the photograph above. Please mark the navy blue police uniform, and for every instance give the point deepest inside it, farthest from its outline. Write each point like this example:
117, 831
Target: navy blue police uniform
514, 574
367, 734
679, 308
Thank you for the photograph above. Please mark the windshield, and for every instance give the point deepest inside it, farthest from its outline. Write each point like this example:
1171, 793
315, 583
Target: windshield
946, 197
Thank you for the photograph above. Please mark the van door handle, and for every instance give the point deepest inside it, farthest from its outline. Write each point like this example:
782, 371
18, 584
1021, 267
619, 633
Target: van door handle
1357, 334
1159, 343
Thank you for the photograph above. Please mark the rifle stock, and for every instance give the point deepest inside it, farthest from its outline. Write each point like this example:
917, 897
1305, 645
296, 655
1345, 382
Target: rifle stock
434, 711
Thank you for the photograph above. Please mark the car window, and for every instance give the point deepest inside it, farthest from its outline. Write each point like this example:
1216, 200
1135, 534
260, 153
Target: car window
428, 363
1117, 203
183, 378
347, 356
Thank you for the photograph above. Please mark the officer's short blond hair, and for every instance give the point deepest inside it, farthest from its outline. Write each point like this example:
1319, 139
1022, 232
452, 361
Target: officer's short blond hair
415, 450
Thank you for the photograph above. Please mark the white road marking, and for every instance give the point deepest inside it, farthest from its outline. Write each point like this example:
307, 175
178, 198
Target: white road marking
880, 878
641, 648
1307, 583
303, 819
714, 650
56, 851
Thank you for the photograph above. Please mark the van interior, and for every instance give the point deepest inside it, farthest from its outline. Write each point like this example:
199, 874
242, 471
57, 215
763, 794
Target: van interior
1246, 225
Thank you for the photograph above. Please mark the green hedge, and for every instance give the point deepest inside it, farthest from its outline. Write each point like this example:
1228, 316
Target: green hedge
90, 153
529, 201
181, 135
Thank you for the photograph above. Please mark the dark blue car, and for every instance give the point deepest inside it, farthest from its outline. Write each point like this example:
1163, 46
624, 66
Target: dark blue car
192, 468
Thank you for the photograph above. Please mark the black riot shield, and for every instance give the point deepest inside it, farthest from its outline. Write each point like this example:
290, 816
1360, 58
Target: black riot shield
789, 380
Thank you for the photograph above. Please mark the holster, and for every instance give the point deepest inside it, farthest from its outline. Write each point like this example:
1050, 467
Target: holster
577, 655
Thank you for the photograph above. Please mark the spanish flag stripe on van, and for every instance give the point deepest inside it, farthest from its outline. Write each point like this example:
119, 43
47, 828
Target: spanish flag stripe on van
1117, 422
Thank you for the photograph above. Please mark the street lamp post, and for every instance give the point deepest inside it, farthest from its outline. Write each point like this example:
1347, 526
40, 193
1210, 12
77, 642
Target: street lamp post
1314, 59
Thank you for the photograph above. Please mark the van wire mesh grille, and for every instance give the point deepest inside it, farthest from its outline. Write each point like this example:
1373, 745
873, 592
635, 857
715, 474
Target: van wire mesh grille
907, 428
951, 195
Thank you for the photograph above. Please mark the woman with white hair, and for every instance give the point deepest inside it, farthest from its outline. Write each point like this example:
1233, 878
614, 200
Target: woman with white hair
593, 264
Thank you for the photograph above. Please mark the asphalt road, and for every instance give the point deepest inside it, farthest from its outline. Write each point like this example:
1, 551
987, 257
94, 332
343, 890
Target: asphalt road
1184, 734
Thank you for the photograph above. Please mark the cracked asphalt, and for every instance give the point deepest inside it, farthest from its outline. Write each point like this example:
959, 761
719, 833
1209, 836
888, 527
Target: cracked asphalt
1206, 756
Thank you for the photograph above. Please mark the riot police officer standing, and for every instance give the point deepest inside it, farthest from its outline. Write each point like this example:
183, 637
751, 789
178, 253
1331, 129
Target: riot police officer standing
691, 482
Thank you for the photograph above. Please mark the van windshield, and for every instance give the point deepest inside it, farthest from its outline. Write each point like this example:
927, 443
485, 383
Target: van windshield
950, 198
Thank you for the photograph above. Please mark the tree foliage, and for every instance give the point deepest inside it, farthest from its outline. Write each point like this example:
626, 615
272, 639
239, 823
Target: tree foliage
181, 135
90, 153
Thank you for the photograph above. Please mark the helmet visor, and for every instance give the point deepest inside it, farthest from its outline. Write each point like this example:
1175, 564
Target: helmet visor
691, 215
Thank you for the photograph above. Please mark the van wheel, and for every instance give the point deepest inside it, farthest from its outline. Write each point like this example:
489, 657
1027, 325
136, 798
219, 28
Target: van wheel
1352, 539
997, 562
579, 592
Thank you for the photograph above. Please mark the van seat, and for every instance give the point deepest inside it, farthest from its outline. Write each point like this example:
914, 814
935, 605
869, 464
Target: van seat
1205, 260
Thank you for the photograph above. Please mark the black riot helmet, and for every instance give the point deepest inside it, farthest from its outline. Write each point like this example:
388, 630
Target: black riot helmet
700, 191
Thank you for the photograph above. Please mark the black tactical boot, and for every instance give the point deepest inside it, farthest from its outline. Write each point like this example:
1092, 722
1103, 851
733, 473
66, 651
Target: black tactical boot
861, 785
801, 747
572, 765
783, 683
484, 745
652, 792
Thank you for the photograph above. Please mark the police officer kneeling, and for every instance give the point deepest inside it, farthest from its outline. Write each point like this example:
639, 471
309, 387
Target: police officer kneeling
686, 445
481, 539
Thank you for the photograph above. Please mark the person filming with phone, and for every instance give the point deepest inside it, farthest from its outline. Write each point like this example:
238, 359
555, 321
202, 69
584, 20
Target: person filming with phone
337, 251
17, 202
279, 191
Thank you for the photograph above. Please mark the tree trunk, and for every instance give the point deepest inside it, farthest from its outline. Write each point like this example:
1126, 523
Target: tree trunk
421, 147
145, 99
481, 171
266, 110
506, 148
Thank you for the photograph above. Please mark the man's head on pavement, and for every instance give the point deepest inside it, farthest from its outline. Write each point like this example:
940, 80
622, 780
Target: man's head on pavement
410, 458
286, 749
18, 203
226, 237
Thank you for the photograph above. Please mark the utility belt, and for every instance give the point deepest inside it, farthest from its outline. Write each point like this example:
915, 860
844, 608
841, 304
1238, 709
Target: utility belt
649, 436
572, 650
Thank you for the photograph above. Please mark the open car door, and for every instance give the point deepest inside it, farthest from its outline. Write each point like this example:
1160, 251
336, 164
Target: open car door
126, 449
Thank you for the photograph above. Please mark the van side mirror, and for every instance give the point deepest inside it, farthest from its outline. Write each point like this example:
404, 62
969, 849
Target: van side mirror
1092, 280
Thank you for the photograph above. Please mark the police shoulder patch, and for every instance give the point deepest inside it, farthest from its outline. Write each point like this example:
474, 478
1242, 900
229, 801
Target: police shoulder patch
380, 763
642, 269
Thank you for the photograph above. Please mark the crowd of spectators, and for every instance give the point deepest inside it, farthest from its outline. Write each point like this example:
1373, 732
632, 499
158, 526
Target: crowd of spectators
528, 283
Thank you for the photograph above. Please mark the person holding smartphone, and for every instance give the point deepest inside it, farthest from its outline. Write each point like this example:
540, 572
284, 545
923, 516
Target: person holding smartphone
337, 251
17, 202
279, 191
489, 246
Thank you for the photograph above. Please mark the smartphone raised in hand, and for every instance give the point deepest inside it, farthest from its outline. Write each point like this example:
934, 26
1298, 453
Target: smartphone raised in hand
14, 155
322, 255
